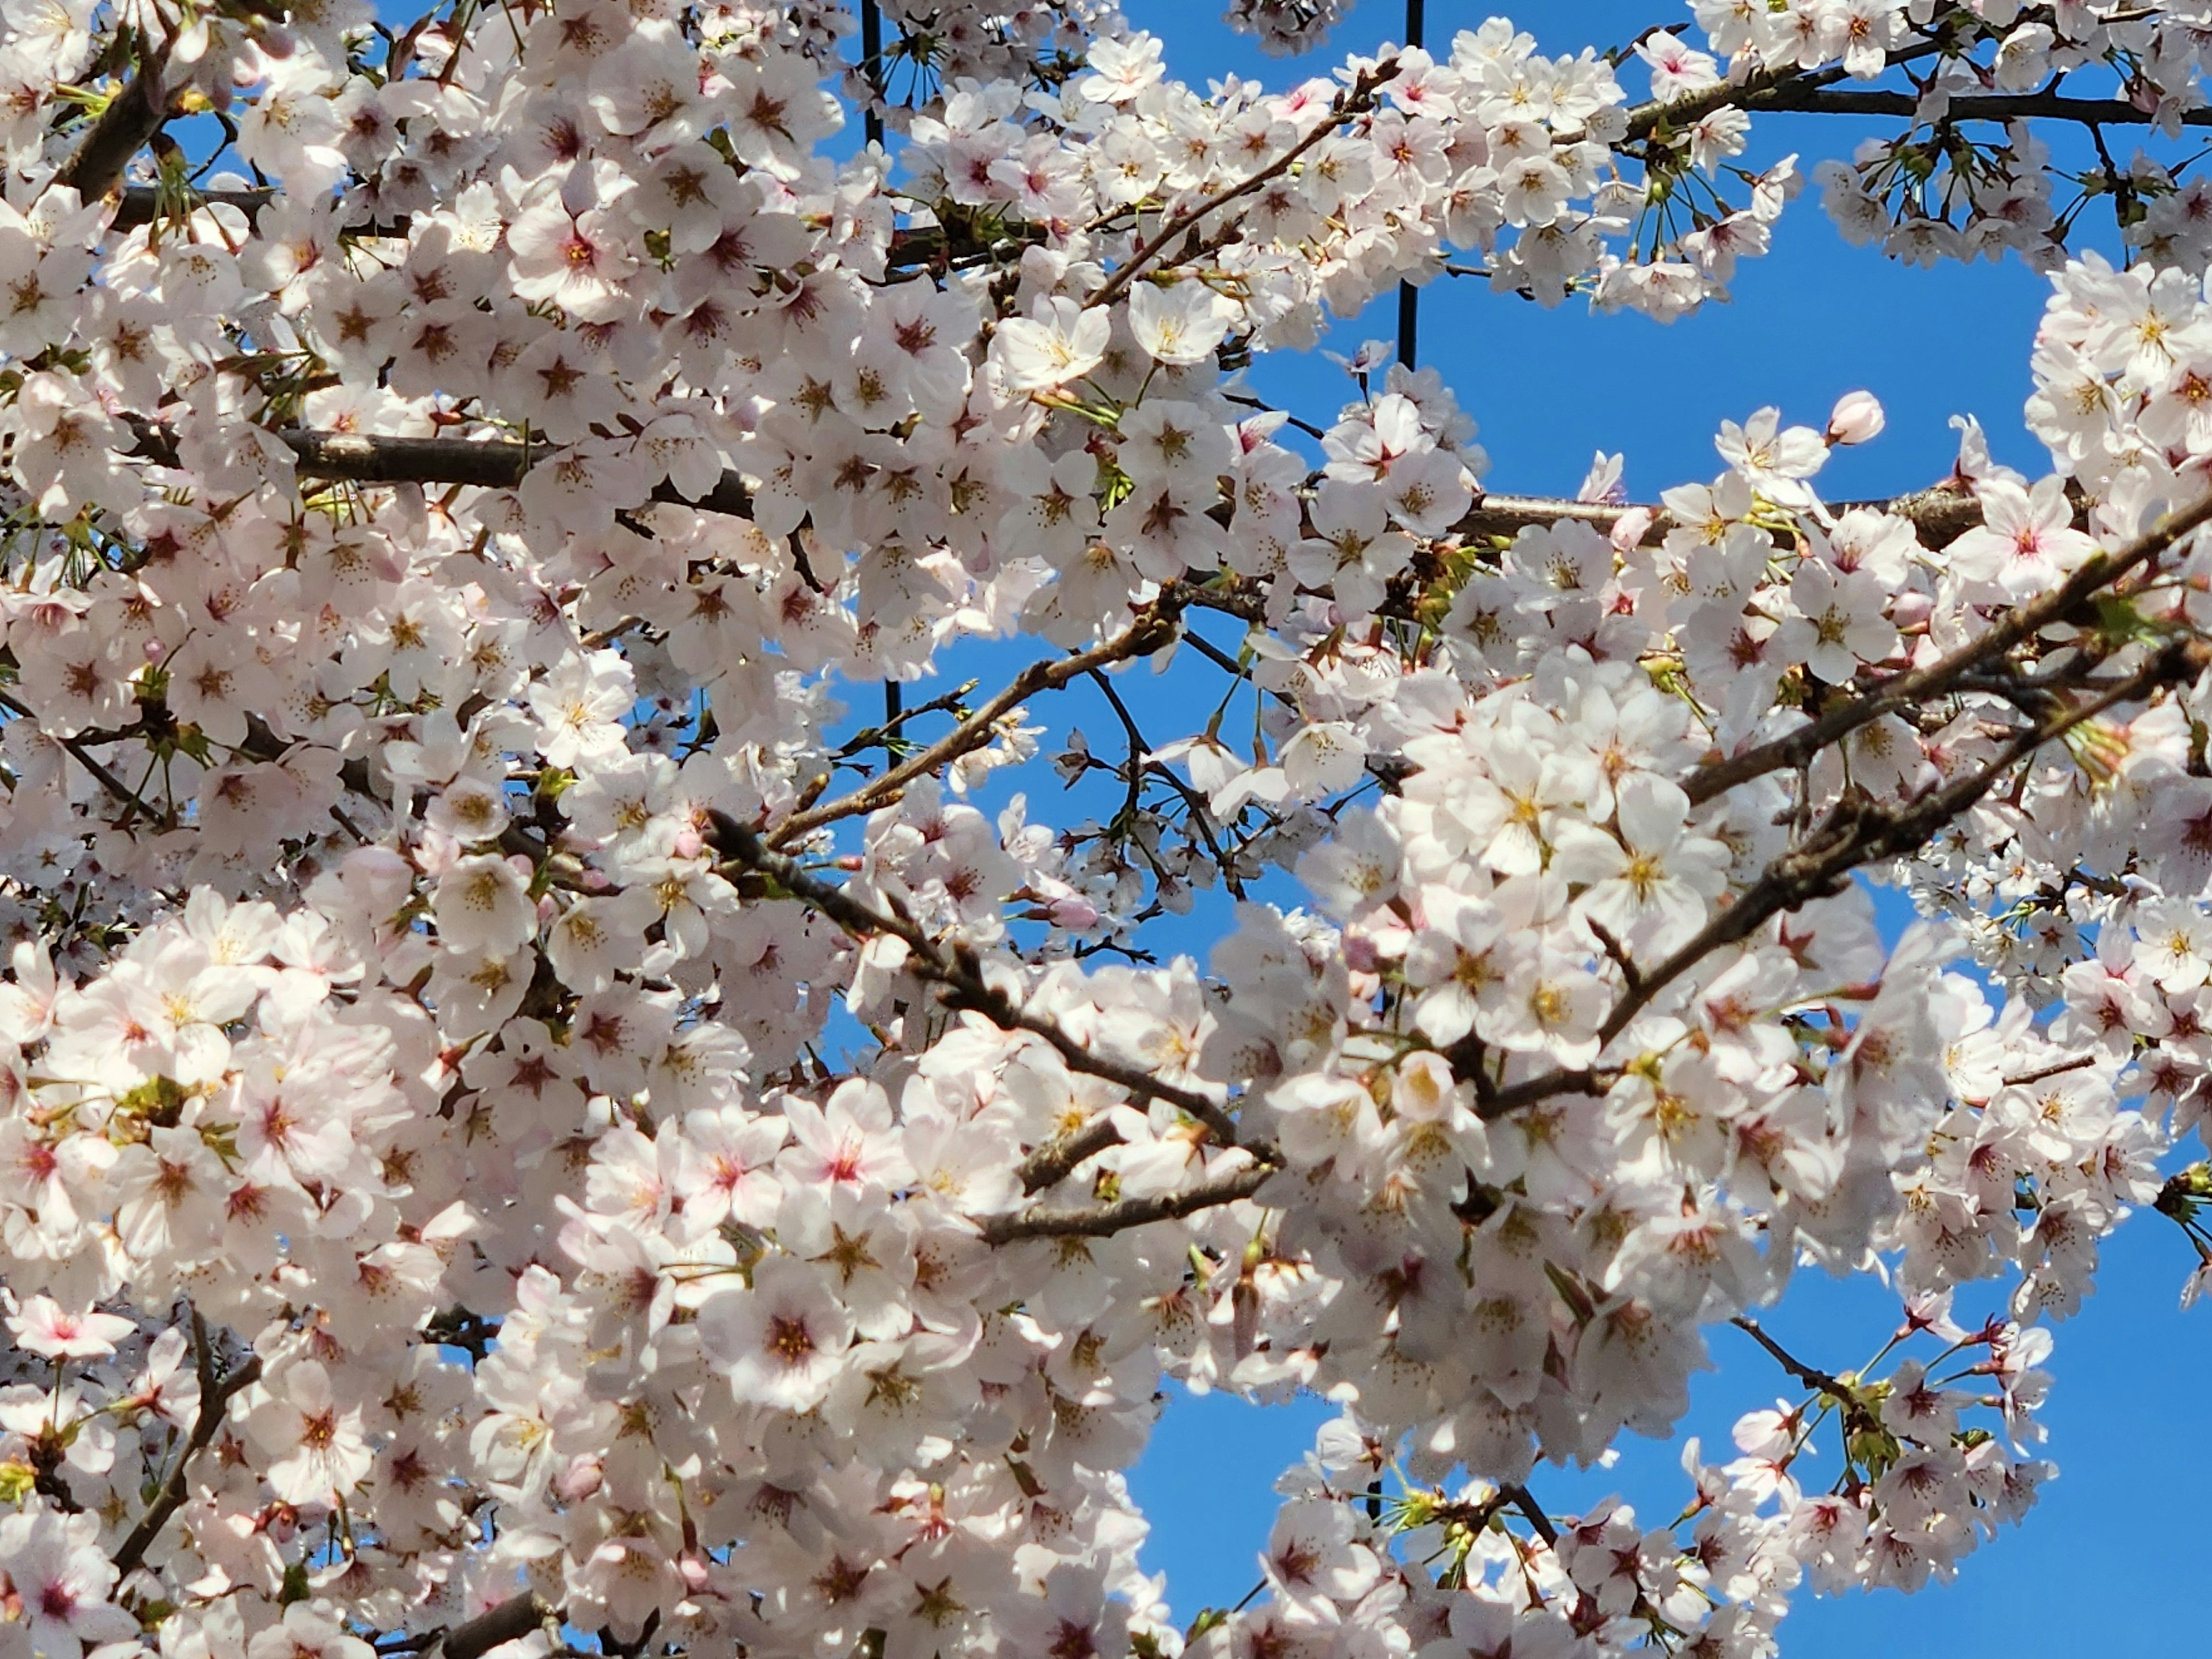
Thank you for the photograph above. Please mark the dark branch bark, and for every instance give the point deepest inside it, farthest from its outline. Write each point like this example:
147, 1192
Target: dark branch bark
1900, 691
510, 1621
1980, 107
1819, 1381
1939, 514
1052, 1163
216, 1391
134, 115
1857, 831
1355, 100
1532, 1512
1758, 91
1155, 628
80, 751
141, 204
486, 464
1102, 1220
959, 976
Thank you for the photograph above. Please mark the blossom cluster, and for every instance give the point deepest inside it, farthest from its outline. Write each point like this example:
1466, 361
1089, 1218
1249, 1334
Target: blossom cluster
511, 1099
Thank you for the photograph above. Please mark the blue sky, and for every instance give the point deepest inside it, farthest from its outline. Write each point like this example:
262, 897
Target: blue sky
2103, 1561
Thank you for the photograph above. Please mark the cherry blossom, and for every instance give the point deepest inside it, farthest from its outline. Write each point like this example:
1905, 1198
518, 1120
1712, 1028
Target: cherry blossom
529, 1112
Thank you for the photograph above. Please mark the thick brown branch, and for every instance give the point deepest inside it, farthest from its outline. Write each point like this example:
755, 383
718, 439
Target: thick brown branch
1155, 628
133, 115
1980, 107
958, 975
1355, 100
1939, 514
1052, 1163
488, 464
217, 1390
1105, 1220
141, 204
510, 1620
1756, 91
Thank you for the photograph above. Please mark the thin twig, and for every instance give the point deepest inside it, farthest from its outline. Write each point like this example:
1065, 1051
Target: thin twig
1355, 100
217, 1390
957, 972
1915, 685
84, 757
1819, 1381
1155, 628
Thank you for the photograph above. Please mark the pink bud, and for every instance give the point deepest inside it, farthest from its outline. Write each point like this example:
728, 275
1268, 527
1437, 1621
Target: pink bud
1628, 530
1857, 418
580, 1479
1075, 912
687, 844
595, 881
519, 862
1910, 610
155, 650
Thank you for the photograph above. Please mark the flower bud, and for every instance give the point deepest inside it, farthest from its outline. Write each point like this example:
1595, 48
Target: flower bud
1629, 528
580, 1479
1075, 913
1857, 418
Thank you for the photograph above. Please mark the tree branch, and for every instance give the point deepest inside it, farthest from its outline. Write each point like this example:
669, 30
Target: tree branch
1856, 831
1939, 514
488, 464
1980, 107
1103, 1220
78, 749
1355, 100
960, 975
141, 204
1756, 91
1915, 685
215, 1393
1053, 1162
1531, 1511
1819, 1381
510, 1621
133, 115
1155, 628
